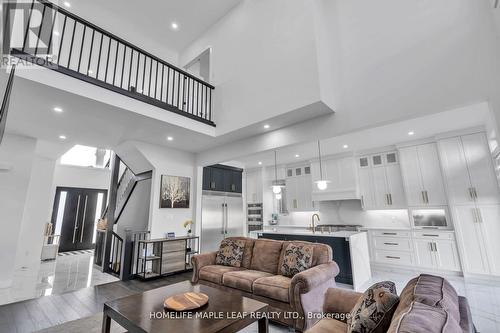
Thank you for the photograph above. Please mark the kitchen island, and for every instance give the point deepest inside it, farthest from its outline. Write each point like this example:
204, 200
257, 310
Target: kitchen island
350, 250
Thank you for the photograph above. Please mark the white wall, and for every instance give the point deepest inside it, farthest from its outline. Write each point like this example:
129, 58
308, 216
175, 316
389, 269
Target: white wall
16, 152
35, 216
263, 61
172, 162
135, 215
83, 177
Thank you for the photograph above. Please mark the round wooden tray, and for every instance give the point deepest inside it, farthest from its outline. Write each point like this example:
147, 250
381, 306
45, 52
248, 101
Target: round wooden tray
186, 301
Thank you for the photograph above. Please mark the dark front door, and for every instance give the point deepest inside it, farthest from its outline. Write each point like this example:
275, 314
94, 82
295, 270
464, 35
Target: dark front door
75, 214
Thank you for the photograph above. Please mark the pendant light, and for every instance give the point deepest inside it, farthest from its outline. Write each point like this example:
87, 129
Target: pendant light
322, 183
276, 186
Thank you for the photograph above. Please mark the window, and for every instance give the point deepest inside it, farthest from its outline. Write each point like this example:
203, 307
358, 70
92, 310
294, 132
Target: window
86, 157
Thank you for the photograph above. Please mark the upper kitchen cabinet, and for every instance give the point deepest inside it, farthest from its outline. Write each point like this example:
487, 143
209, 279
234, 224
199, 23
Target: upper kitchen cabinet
422, 177
380, 181
468, 170
298, 189
222, 178
254, 186
342, 175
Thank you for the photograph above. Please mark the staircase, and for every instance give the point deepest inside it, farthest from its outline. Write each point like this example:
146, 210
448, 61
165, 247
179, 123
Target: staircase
116, 253
5, 103
76, 47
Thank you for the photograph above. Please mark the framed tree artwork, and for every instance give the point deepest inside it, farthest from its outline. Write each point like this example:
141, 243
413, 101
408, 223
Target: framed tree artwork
174, 192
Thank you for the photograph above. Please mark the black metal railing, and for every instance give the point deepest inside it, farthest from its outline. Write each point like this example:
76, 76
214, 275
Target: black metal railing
87, 52
4, 109
116, 253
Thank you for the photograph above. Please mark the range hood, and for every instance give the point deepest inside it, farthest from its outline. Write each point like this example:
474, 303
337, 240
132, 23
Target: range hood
343, 180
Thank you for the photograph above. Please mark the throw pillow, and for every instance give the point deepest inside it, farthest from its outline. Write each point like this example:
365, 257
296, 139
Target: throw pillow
373, 311
297, 258
230, 253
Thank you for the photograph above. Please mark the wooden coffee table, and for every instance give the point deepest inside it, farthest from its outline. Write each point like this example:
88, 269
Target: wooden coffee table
225, 312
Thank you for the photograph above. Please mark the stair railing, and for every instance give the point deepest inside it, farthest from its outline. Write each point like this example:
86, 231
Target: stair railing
4, 110
79, 48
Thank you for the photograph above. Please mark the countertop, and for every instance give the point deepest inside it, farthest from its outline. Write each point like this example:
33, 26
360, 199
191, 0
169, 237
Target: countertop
342, 234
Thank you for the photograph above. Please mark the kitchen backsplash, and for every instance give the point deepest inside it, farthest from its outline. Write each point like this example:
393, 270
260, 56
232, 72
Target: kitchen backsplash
350, 212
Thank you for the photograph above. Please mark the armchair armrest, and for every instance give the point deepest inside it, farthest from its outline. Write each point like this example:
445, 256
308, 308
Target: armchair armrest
200, 260
307, 291
340, 302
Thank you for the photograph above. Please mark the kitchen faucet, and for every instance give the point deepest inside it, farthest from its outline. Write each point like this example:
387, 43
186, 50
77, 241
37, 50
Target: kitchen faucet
312, 222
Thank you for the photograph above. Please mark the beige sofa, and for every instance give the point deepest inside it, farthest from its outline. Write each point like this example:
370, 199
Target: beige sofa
427, 304
259, 278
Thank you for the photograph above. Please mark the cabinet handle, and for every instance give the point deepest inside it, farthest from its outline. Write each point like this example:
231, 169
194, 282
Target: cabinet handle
430, 246
430, 235
423, 196
391, 243
426, 196
479, 215
390, 199
435, 247
391, 257
389, 233
474, 215
471, 195
474, 193
212, 185
362, 202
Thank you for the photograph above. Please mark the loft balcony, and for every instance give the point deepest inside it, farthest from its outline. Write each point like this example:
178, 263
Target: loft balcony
68, 44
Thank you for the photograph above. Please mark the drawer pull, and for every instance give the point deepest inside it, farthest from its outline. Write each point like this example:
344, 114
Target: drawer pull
389, 233
391, 257
391, 243
430, 235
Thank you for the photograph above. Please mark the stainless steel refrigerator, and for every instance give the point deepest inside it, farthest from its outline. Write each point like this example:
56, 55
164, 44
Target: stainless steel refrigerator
222, 216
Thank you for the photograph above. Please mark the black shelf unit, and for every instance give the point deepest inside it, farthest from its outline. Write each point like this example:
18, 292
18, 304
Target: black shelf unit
165, 256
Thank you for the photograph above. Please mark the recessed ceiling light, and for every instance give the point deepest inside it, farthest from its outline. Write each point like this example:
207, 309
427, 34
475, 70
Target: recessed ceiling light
56, 33
169, 138
175, 25
91, 71
410, 133
62, 137
58, 109
266, 126
297, 155
345, 146
67, 4
260, 163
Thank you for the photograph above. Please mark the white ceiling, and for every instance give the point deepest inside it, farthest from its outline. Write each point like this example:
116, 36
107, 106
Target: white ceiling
377, 137
150, 21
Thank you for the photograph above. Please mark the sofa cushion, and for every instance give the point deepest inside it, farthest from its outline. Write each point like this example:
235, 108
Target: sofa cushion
296, 258
247, 253
322, 253
422, 318
214, 273
430, 290
266, 255
230, 252
276, 287
328, 325
242, 280
374, 310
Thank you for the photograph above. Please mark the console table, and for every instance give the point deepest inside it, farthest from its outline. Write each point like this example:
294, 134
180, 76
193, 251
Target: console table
165, 256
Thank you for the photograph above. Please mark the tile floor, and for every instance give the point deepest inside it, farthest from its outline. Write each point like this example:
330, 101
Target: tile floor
64, 274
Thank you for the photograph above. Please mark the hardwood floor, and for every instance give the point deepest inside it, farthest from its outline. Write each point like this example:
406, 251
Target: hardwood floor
47, 311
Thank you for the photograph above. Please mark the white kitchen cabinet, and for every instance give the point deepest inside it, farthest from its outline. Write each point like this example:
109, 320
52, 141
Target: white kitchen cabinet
381, 184
471, 240
436, 252
299, 191
422, 177
366, 188
468, 170
254, 186
489, 223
